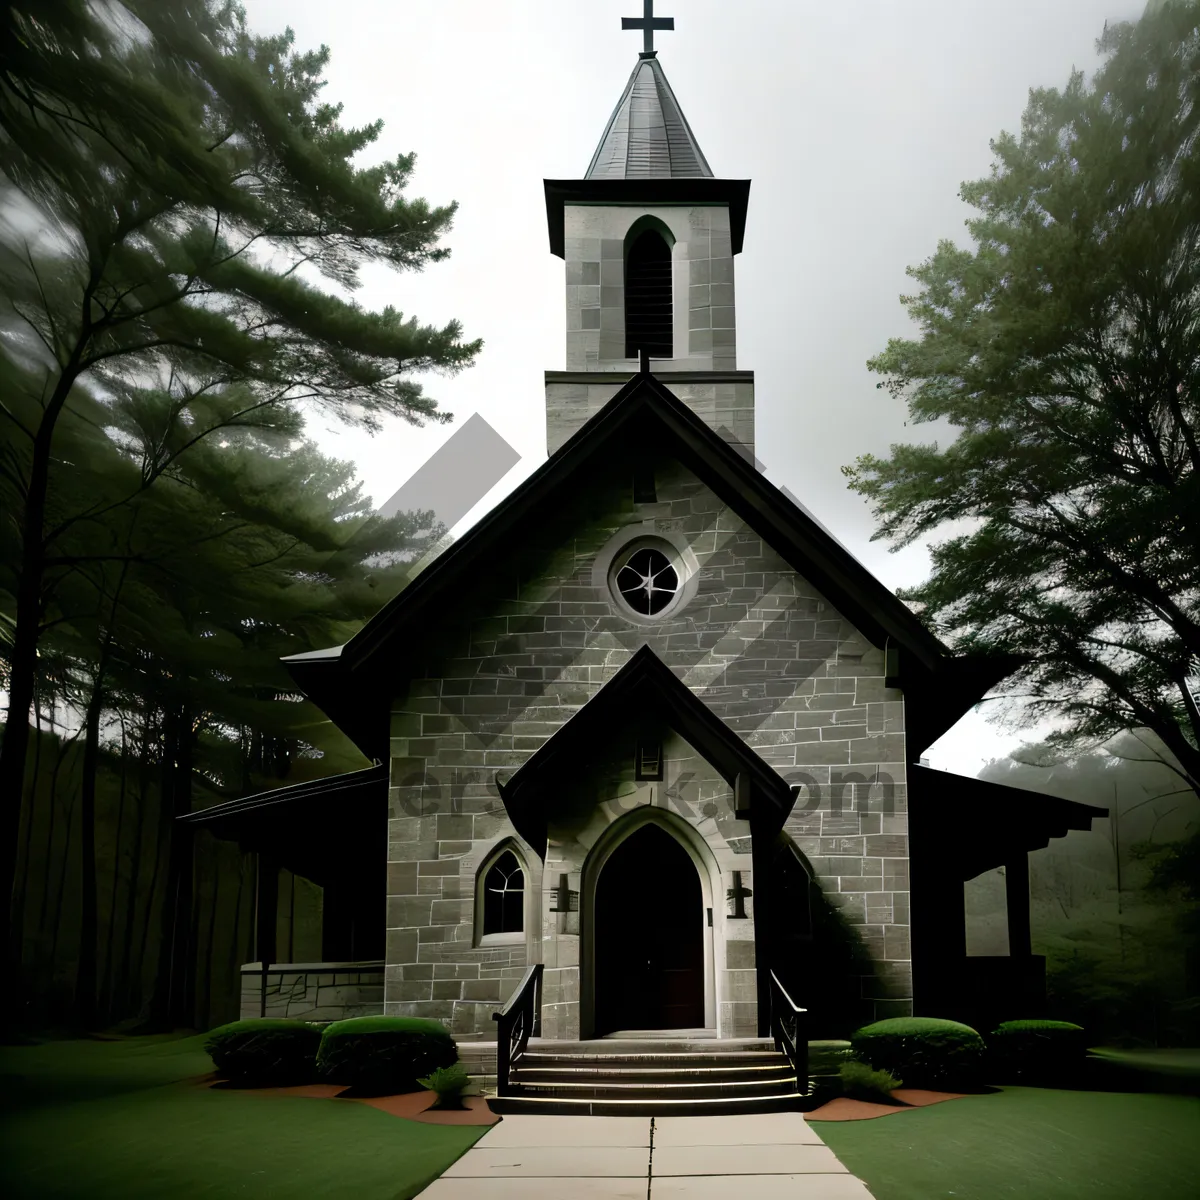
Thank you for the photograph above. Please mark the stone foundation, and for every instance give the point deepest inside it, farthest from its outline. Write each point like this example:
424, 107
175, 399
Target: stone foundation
313, 991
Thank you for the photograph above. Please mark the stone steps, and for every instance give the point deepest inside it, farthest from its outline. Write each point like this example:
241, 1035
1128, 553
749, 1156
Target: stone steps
628, 1078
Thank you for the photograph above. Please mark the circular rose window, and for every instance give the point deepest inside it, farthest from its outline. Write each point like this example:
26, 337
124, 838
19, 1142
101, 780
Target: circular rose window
646, 579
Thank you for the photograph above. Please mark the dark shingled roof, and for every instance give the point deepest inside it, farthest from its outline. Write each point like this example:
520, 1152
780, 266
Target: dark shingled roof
317, 829
648, 136
968, 826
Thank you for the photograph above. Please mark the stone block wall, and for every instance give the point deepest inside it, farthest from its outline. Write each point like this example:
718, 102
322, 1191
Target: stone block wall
761, 647
702, 295
723, 400
711, 324
446, 820
313, 991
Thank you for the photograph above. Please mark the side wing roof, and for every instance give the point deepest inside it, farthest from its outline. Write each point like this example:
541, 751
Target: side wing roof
318, 828
968, 826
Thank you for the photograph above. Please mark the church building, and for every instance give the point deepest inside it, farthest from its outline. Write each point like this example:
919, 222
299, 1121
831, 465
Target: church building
647, 725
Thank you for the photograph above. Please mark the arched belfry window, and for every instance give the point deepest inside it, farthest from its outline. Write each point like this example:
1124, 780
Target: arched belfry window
648, 313
500, 907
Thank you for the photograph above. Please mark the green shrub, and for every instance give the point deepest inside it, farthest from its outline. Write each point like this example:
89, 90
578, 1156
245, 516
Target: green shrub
862, 1082
384, 1054
449, 1083
265, 1051
826, 1057
1036, 1050
924, 1051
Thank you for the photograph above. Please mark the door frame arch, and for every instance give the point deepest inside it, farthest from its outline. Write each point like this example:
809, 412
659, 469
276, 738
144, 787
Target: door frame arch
707, 868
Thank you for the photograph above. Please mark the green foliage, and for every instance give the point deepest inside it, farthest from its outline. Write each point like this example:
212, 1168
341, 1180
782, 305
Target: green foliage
1041, 1031
923, 1051
827, 1055
862, 1082
449, 1083
185, 225
1064, 349
1037, 1051
265, 1051
1174, 868
384, 1054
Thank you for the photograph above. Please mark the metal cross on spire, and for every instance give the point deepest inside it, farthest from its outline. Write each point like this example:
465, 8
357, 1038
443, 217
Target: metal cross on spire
648, 22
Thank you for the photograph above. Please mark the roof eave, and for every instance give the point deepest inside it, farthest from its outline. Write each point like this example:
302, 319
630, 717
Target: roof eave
324, 678
734, 193
977, 825
943, 696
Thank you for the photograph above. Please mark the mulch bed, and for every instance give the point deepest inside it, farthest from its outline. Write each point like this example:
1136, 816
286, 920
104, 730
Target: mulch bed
412, 1106
415, 1106
843, 1108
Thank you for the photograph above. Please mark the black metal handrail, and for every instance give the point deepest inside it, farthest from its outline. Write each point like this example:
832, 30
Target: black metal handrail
789, 1029
515, 1022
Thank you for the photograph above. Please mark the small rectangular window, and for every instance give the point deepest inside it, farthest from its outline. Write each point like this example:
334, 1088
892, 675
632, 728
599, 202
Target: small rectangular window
643, 484
649, 760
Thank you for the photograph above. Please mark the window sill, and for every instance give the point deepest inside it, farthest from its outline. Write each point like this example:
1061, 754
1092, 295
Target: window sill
503, 939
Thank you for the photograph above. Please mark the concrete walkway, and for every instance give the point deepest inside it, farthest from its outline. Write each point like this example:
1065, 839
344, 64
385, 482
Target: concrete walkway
764, 1157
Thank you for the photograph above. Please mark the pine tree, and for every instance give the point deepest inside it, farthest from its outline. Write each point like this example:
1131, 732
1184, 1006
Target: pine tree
1065, 348
186, 213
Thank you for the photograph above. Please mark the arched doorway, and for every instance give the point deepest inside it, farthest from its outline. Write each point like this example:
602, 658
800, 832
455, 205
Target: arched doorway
649, 936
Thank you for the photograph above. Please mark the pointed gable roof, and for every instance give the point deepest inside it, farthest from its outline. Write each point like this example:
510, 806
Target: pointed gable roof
645, 687
352, 684
647, 136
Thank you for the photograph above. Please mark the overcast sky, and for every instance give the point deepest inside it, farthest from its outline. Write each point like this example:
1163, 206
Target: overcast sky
857, 122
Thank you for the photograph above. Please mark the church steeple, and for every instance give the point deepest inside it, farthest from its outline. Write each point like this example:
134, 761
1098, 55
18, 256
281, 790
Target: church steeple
649, 236
648, 137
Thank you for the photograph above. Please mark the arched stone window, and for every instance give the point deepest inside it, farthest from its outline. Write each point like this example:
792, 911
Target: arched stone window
500, 898
649, 315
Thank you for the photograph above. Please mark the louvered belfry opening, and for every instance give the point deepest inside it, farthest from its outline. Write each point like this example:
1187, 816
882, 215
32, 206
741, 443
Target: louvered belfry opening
648, 316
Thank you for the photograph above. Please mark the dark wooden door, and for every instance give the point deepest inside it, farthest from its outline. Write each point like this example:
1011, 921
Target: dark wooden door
649, 937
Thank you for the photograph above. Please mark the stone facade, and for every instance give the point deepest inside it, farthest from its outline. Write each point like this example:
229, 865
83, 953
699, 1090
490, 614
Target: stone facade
723, 400
703, 372
702, 300
313, 991
510, 664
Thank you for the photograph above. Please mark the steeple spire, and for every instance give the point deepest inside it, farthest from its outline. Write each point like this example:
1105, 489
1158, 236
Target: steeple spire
648, 23
649, 236
648, 137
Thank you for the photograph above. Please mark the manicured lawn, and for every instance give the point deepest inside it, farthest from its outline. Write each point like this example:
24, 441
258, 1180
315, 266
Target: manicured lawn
125, 1119
1029, 1142
1177, 1063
